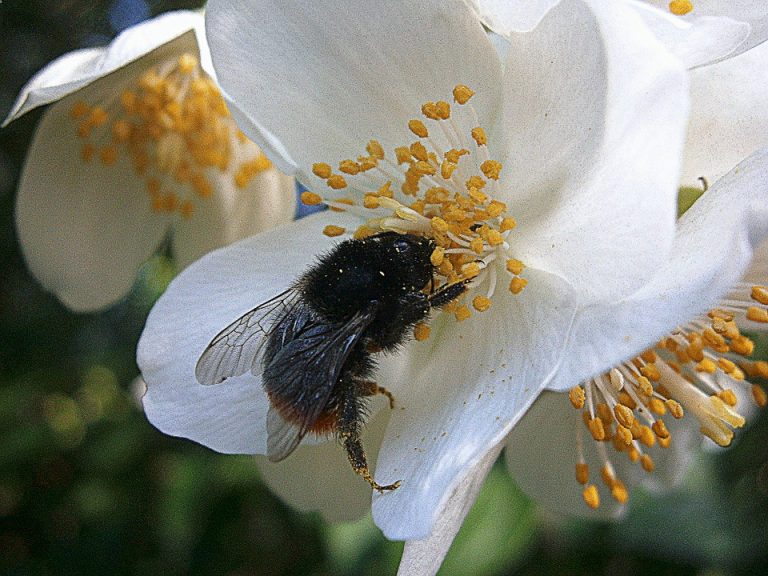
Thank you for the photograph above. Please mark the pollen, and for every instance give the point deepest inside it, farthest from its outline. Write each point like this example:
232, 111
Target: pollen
481, 303
172, 126
333, 231
680, 7
310, 198
421, 331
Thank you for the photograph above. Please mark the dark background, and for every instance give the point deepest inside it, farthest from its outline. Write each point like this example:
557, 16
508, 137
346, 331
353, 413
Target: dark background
87, 486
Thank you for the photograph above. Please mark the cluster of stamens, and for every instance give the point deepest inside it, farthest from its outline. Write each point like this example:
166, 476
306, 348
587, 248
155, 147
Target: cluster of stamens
694, 371
680, 7
174, 127
440, 187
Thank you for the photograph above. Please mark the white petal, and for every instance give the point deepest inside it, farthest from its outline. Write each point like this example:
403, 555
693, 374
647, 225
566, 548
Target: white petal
712, 250
232, 214
594, 141
541, 456
753, 13
320, 477
84, 228
424, 557
156, 39
729, 115
229, 417
506, 16
696, 41
459, 393
327, 76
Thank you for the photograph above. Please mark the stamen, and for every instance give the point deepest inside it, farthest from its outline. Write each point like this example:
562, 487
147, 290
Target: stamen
680, 7
173, 126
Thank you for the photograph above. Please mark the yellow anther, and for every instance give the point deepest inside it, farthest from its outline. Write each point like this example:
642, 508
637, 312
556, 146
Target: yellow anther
403, 154
336, 181
453, 154
517, 284
680, 7
476, 245
582, 473
760, 294
187, 63
322, 170
591, 497
624, 415
363, 231
507, 223
87, 152
462, 313
645, 386
757, 314
515, 266
370, 201
759, 395
424, 168
418, 128
619, 492
333, 231
660, 429
108, 156
674, 408
495, 238
646, 436
647, 463
347, 201
438, 224
429, 109
421, 331
728, 397
419, 152
742, 346
496, 208
477, 195
665, 442
624, 435
386, 191
627, 400
478, 134
310, 198
462, 94
657, 406
491, 169
349, 167
437, 256
98, 116
604, 413
633, 454
576, 395
607, 475
475, 182
470, 270
596, 428
481, 303
706, 365
375, 149
446, 169
79, 109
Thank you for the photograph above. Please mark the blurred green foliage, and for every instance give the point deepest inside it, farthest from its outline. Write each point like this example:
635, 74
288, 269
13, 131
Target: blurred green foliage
88, 487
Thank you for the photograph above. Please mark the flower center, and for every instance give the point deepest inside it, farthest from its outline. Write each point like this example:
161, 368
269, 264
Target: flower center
693, 370
175, 129
447, 187
680, 7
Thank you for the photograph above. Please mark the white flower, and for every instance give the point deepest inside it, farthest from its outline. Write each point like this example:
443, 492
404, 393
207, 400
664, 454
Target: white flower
137, 142
698, 32
588, 126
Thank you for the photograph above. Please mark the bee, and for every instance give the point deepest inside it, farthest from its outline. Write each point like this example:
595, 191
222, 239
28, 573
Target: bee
313, 345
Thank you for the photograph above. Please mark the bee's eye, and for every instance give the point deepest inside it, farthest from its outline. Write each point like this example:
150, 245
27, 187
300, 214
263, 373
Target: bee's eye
401, 246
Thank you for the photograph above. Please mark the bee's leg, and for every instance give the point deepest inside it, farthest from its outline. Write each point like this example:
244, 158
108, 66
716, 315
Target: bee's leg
447, 293
370, 388
348, 428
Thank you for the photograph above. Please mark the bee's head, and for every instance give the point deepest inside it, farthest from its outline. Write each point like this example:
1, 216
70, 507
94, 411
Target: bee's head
405, 258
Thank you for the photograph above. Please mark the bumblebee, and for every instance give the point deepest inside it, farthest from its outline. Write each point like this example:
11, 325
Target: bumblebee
314, 344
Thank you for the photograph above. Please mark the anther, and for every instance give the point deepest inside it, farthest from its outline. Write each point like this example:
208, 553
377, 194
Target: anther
582, 473
680, 7
462, 94
478, 135
576, 396
517, 284
418, 128
310, 198
591, 496
333, 231
421, 331
757, 314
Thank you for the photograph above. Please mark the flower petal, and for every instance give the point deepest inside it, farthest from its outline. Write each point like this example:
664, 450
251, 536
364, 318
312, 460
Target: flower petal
84, 228
712, 251
729, 115
424, 557
320, 477
155, 39
507, 16
229, 417
459, 393
541, 456
327, 76
696, 41
594, 141
233, 214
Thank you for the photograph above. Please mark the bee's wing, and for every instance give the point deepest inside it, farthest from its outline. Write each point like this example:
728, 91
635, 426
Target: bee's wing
305, 370
237, 348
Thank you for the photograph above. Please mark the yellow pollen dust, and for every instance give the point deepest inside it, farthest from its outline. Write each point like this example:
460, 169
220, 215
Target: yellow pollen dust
173, 127
693, 373
680, 7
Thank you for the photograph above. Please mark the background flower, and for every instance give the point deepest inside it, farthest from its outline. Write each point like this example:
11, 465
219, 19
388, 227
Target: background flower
136, 142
